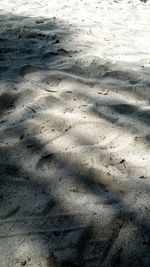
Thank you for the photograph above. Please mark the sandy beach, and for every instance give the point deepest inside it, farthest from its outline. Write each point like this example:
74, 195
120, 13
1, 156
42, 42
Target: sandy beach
74, 133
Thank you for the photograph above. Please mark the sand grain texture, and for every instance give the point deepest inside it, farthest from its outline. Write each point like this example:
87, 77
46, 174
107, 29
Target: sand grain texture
75, 133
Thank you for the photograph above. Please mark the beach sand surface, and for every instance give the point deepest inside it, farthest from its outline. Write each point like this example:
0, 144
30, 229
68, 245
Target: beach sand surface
74, 133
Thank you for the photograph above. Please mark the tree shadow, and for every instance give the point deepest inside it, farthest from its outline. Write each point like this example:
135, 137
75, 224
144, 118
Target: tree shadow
56, 209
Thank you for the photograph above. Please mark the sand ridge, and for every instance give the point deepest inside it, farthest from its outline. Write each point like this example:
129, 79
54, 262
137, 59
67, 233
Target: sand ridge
74, 135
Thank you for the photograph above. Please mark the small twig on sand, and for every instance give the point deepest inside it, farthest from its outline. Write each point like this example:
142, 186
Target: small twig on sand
77, 190
31, 109
134, 89
51, 91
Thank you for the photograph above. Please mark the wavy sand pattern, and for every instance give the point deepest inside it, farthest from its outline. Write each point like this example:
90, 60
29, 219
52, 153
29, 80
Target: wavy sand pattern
74, 135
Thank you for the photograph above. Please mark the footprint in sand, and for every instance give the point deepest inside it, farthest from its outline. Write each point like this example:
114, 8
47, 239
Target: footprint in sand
33, 73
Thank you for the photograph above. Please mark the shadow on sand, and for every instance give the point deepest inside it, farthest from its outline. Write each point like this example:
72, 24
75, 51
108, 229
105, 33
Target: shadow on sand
42, 221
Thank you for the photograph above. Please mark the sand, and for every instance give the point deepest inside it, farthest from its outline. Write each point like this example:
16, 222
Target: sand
75, 133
